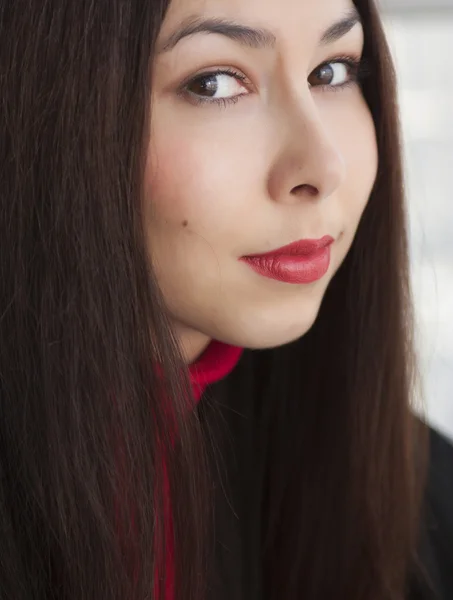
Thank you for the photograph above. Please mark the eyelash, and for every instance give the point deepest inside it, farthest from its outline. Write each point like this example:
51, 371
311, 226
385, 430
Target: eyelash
358, 71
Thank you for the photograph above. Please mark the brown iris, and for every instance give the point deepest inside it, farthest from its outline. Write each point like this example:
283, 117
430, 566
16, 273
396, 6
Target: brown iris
205, 85
323, 75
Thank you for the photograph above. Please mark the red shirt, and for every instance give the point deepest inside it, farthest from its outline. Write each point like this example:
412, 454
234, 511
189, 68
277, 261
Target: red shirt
216, 362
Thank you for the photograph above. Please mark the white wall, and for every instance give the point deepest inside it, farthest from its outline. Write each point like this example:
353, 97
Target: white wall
422, 45
409, 5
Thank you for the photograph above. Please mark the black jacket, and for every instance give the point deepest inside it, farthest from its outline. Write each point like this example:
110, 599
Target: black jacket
238, 572
437, 543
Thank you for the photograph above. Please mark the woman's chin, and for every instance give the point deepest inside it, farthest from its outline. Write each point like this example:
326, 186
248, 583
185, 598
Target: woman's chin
263, 333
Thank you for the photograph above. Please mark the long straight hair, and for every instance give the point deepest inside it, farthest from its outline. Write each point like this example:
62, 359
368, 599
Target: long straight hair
86, 417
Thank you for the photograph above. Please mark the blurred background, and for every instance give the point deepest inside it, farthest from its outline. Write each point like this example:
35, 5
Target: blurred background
420, 34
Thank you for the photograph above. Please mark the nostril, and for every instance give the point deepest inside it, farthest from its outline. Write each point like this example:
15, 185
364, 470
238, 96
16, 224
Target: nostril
305, 188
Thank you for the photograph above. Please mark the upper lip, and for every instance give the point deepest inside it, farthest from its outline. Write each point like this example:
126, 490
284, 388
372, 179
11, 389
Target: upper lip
299, 248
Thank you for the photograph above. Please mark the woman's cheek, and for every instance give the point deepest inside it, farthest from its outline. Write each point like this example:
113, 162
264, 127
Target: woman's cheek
172, 174
202, 181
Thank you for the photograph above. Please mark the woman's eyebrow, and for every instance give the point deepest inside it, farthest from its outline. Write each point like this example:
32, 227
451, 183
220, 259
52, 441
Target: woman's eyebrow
251, 37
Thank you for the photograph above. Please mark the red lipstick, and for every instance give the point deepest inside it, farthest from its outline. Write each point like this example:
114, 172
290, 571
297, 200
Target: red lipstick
304, 261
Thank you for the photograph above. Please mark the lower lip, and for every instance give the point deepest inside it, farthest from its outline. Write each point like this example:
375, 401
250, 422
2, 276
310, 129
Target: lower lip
291, 269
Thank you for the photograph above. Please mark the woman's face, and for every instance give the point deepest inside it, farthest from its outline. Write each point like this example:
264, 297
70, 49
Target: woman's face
259, 138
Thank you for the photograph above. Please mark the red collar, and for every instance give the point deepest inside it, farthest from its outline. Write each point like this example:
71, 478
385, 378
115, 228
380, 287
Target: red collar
216, 362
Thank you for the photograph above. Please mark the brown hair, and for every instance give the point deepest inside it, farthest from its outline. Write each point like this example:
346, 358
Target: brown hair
82, 323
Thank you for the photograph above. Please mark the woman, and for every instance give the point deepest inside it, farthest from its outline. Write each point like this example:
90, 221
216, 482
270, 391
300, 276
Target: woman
206, 352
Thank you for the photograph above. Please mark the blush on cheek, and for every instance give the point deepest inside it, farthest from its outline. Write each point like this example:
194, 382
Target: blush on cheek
174, 178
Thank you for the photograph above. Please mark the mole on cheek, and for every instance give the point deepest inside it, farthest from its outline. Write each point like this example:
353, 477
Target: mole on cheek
185, 223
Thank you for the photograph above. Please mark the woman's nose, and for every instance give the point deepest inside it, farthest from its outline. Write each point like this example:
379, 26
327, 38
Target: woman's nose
309, 164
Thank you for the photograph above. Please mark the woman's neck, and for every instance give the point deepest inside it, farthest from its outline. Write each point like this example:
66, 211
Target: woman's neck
192, 343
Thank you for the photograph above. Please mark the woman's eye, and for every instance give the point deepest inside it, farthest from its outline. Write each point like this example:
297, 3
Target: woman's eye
217, 86
334, 74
